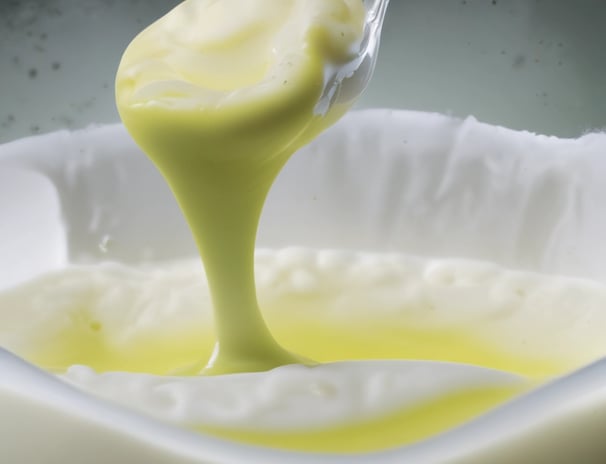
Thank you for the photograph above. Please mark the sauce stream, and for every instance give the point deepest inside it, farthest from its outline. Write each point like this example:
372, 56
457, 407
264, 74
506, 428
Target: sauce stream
220, 142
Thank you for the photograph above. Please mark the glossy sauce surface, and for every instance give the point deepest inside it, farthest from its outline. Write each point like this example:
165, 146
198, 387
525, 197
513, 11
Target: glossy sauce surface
219, 95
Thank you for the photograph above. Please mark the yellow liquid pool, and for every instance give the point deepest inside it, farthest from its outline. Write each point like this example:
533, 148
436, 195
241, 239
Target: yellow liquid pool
324, 341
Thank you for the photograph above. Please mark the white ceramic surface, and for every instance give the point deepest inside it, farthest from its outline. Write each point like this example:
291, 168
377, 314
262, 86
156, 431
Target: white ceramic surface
380, 180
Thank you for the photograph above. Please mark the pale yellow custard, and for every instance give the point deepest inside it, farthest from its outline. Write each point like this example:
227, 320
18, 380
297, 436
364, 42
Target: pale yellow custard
219, 95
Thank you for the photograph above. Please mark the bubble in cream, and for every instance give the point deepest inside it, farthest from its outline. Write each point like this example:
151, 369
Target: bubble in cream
105, 243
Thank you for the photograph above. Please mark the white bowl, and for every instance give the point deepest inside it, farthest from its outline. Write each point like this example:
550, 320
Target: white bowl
379, 180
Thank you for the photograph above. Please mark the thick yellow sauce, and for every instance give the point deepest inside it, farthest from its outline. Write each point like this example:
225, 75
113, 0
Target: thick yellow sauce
220, 127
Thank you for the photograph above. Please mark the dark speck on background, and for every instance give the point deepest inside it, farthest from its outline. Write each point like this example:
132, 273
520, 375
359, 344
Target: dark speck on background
519, 61
56, 65
32, 73
83, 105
10, 119
64, 120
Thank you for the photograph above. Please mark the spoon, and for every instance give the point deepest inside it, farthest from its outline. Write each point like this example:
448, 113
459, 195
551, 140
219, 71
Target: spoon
344, 84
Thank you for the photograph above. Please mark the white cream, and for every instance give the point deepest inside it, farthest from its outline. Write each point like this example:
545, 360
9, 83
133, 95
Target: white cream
524, 313
289, 397
529, 314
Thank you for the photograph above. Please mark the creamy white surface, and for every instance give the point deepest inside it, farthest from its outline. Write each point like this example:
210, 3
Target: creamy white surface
292, 397
522, 312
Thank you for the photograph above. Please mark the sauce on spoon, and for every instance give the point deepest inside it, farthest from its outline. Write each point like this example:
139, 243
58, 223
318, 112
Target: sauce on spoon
219, 95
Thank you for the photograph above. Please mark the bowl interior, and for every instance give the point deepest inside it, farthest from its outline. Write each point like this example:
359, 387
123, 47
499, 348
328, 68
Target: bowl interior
419, 183
380, 180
